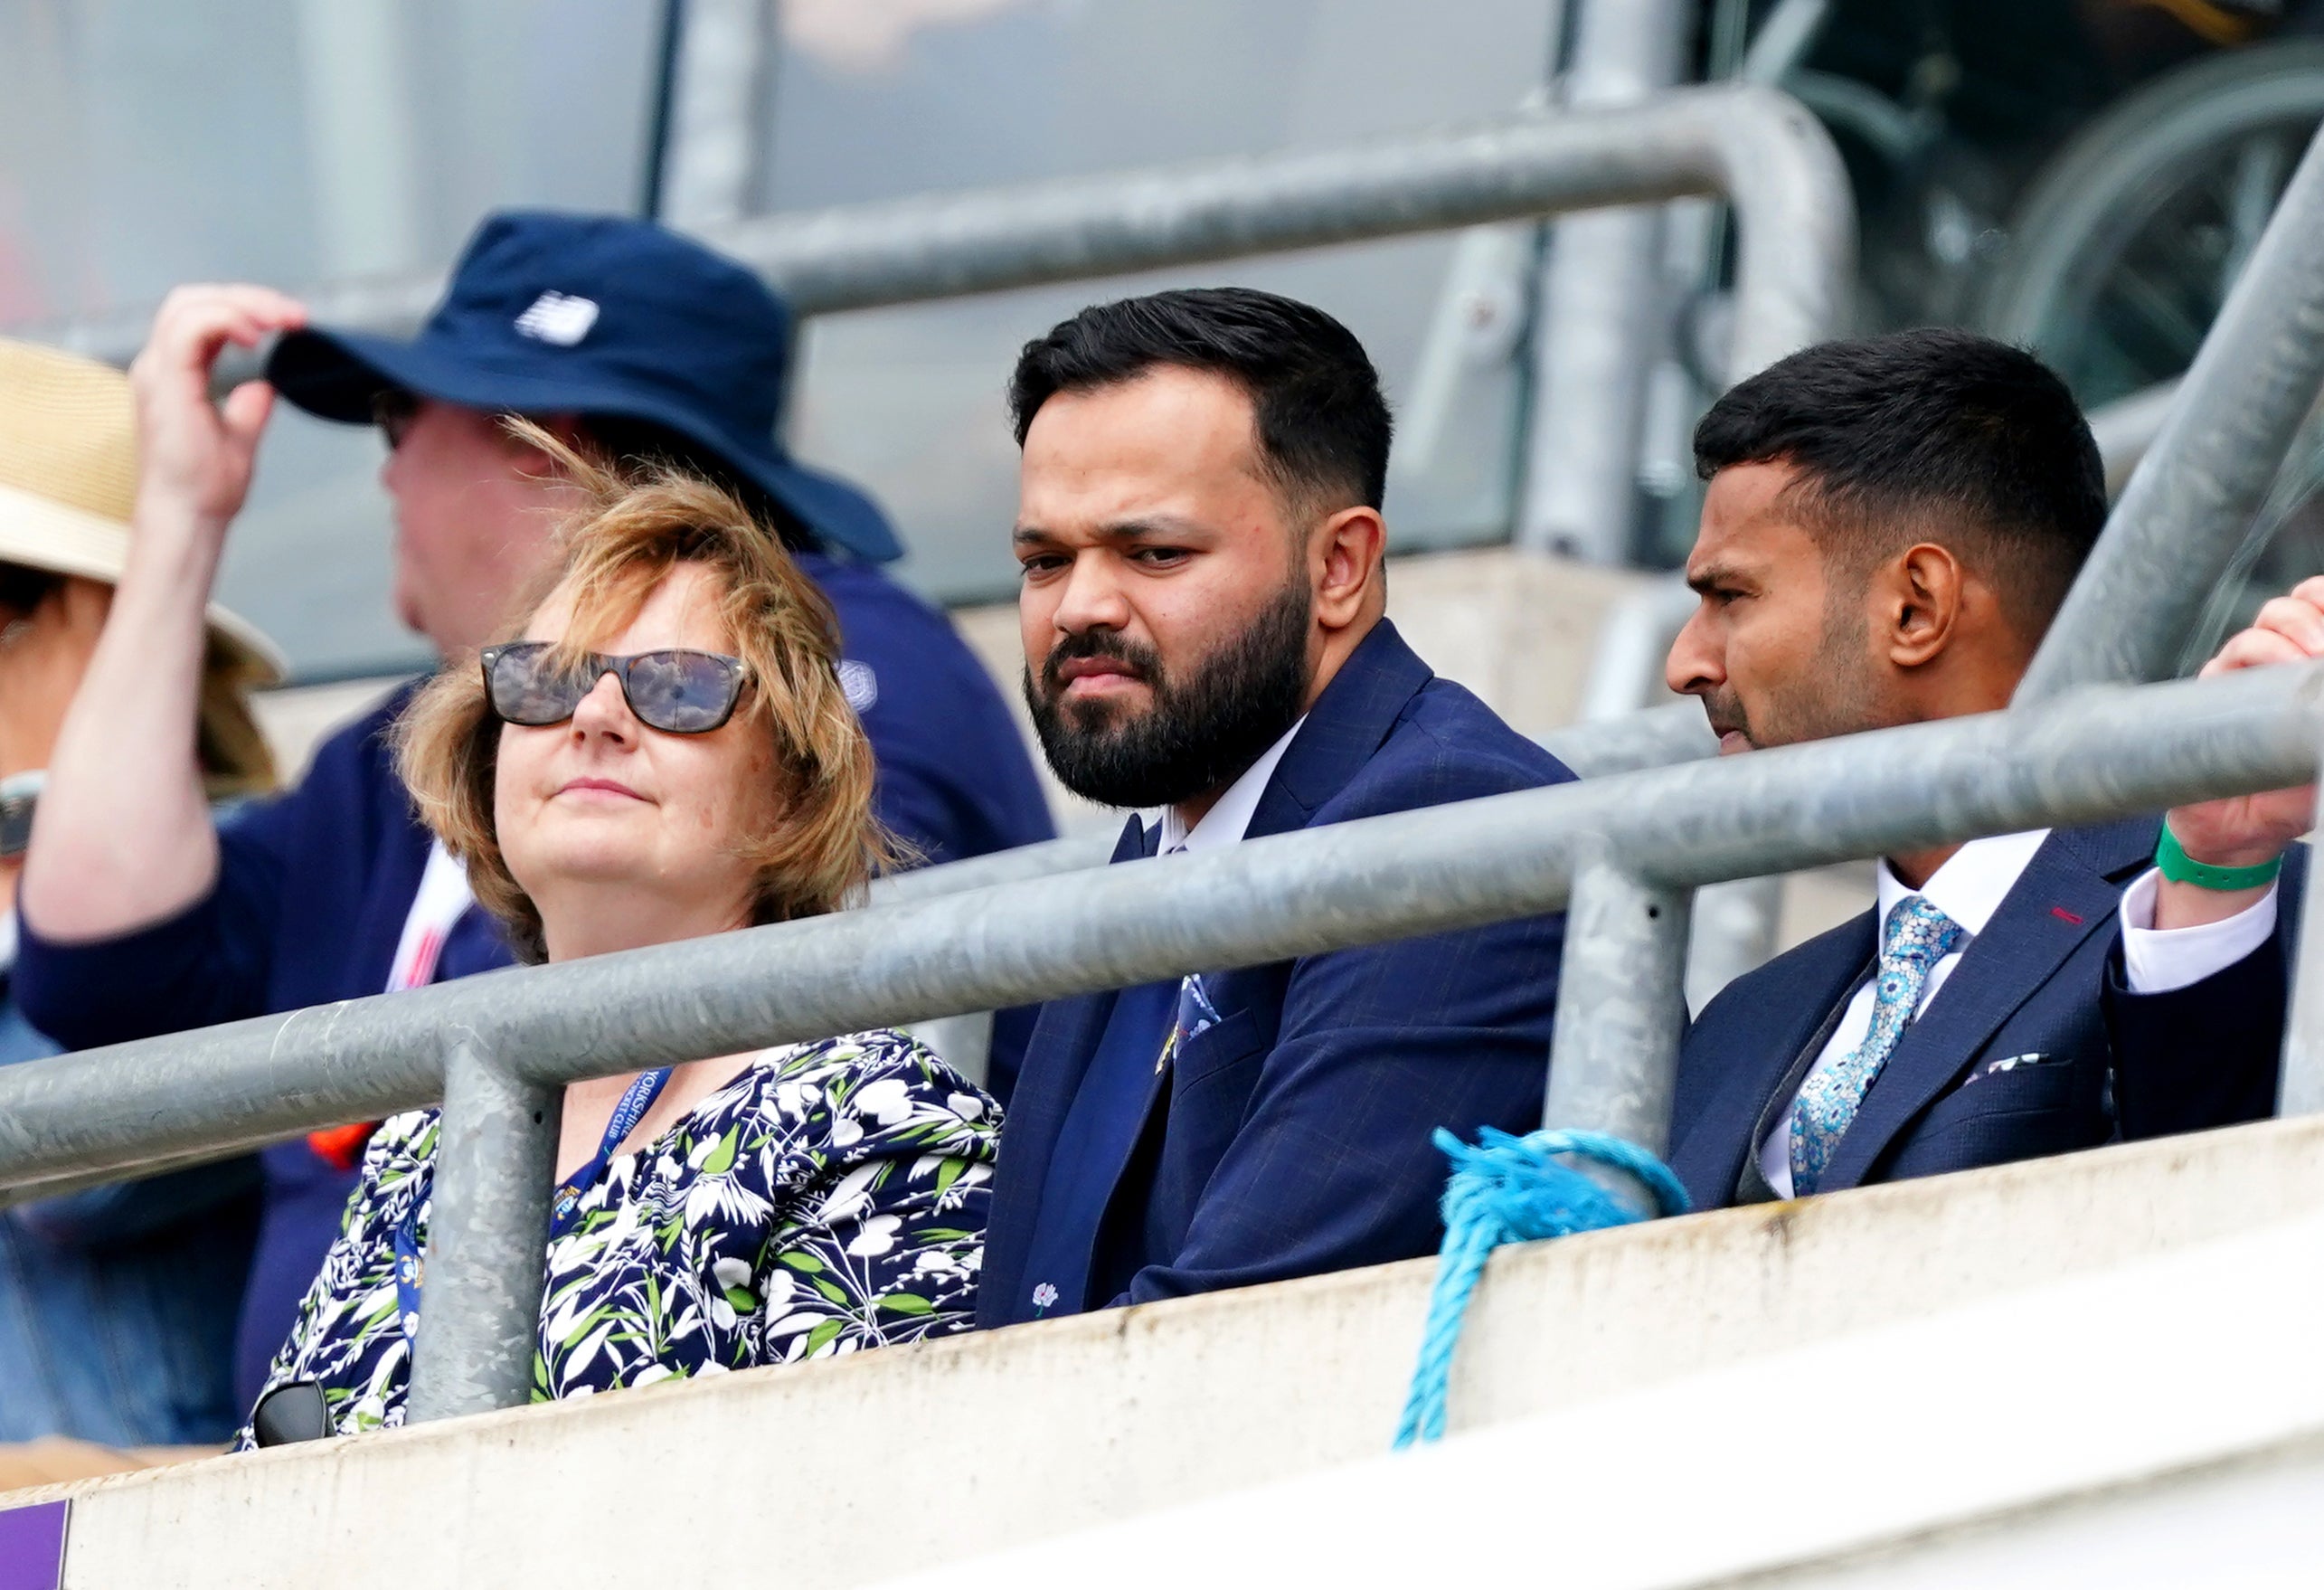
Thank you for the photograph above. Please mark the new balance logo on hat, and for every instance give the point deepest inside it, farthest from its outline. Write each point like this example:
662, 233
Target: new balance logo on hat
558, 317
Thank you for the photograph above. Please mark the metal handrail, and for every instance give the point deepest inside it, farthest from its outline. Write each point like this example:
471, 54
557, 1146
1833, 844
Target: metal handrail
1620, 849
1657, 736
1758, 148
499, 1048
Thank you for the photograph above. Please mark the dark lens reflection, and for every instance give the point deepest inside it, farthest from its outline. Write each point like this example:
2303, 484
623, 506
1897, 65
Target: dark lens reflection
677, 692
680, 692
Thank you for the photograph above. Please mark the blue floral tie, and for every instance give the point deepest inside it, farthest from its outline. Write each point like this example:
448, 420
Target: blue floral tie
1917, 937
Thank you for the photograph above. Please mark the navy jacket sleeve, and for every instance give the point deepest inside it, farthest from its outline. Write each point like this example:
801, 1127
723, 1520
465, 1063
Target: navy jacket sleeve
207, 964
291, 921
1332, 1165
2207, 1054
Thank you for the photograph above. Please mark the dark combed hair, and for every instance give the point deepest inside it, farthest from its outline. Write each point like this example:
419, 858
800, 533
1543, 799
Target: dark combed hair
1323, 426
1922, 435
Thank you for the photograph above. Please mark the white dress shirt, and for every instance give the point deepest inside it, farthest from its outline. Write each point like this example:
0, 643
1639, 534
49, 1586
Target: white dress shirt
1225, 823
1969, 888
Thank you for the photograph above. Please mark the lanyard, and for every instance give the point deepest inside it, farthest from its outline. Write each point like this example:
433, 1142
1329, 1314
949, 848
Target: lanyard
410, 1262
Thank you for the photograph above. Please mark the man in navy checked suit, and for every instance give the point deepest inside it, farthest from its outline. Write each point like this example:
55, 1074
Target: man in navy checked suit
1203, 605
1889, 528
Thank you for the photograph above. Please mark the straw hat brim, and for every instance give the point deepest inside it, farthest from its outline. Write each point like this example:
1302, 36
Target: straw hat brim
41, 533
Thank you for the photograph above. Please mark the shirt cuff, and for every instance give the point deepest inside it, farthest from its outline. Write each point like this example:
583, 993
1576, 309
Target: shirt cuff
2159, 960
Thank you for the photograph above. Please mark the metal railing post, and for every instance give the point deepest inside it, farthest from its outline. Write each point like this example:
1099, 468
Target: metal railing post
1604, 312
2190, 502
2105, 753
2300, 1087
488, 1230
1614, 1054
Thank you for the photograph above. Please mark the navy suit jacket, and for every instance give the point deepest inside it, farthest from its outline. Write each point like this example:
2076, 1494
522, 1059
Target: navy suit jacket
1292, 1138
2010, 1061
2220, 1040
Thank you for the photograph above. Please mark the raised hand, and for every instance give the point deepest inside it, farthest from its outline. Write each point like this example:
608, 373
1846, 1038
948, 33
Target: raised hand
194, 457
2248, 830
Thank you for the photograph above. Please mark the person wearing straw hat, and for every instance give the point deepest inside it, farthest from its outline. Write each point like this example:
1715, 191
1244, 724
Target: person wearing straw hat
621, 339
117, 1305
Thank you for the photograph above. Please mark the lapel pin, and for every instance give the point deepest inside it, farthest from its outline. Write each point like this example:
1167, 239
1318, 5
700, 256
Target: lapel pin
2063, 915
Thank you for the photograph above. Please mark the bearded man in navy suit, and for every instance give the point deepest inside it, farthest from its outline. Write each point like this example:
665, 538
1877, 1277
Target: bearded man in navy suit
1889, 528
1203, 611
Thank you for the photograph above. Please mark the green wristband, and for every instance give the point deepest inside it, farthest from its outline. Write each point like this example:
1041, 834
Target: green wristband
2180, 867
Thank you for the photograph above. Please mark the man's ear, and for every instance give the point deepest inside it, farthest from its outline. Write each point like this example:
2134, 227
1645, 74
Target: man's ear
1344, 559
1922, 604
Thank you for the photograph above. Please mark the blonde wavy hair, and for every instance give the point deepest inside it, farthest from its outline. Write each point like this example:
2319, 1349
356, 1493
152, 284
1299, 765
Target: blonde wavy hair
631, 531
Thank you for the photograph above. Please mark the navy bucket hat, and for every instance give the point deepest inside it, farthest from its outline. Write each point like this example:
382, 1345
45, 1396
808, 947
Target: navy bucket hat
552, 314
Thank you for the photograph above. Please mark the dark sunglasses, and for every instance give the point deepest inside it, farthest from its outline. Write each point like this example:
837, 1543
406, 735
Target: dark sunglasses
677, 692
393, 410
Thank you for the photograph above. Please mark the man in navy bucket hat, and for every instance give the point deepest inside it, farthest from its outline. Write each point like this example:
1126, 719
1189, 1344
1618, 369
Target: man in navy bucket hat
620, 338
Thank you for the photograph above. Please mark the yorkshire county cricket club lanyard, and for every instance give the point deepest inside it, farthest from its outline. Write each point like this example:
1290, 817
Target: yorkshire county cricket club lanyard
564, 1208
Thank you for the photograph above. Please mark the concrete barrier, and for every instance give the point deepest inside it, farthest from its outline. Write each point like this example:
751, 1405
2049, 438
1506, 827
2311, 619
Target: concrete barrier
2158, 1425
855, 1470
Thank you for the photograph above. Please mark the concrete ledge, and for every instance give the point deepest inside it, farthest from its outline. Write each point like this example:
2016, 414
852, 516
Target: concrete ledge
2159, 1424
856, 1471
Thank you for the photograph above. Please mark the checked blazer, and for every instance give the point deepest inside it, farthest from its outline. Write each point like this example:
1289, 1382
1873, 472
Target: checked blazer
1293, 1137
2012, 1059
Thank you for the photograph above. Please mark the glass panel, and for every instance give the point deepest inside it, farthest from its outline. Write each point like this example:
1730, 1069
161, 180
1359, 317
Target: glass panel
149, 142
878, 99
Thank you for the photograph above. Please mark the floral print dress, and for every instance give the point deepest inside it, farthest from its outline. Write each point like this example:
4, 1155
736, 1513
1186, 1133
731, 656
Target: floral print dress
830, 1198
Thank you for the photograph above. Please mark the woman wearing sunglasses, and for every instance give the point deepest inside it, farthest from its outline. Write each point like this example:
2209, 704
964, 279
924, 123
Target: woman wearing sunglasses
663, 751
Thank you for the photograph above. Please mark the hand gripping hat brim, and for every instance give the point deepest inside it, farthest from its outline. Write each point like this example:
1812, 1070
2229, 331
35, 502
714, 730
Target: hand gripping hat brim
554, 313
69, 480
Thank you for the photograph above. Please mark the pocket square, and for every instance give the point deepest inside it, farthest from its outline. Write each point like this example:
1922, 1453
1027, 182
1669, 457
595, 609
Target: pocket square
2010, 1062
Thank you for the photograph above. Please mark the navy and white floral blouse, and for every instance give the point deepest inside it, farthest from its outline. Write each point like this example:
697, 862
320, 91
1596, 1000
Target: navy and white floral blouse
830, 1198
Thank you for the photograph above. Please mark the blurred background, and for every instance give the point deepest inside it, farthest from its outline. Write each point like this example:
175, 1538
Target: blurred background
2082, 175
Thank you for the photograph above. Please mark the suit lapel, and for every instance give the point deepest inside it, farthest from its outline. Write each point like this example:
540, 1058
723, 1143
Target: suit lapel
2065, 895
1056, 1057
1344, 729
1796, 1003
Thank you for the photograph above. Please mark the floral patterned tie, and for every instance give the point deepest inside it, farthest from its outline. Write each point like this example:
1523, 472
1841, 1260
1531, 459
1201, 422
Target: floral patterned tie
1918, 936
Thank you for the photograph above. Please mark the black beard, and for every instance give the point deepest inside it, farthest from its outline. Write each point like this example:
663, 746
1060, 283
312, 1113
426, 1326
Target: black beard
1201, 733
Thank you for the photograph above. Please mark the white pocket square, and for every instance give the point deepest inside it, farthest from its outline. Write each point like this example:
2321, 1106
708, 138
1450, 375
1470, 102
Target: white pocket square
2011, 1063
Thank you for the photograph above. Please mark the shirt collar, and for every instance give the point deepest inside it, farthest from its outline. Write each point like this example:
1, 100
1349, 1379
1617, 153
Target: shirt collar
1972, 883
1225, 823
7, 944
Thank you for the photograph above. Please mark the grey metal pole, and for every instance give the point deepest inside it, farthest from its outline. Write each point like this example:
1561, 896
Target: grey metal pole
2191, 499
2300, 1088
1734, 923
1658, 736
1771, 160
1612, 1069
2105, 753
711, 168
1604, 311
487, 1232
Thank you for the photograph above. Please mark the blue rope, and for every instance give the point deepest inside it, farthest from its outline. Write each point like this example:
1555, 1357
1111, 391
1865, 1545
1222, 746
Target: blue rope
1514, 1189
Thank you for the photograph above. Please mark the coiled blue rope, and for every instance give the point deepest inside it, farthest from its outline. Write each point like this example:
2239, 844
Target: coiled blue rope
1514, 1189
